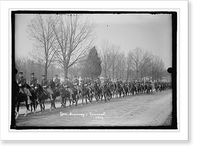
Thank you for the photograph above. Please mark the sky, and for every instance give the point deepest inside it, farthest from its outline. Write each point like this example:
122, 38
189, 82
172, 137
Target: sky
152, 33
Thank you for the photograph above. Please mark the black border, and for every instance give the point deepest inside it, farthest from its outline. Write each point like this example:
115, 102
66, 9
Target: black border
174, 68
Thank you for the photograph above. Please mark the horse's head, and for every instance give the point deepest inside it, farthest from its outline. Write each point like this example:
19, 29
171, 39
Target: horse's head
38, 87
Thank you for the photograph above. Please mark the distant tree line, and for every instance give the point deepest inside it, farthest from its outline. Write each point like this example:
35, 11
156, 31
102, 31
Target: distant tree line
137, 65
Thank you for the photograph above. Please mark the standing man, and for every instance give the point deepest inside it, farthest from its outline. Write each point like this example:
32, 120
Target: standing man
22, 86
33, 81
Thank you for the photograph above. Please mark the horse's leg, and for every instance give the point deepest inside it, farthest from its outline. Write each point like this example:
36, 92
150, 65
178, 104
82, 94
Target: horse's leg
17, 114
40, 104
82, 99
54, 102
34, 105
27, 108
62, 101
50, 105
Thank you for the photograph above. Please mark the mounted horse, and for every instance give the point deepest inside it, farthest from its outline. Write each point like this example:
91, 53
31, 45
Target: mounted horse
107, 92
125, 89
120, 90
85, 93
33, 97
55, 94
42, 95
98, 92
21, 96
73, 97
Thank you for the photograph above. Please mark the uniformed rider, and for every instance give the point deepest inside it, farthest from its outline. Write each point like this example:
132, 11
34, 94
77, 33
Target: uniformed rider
76, 81
22, 85
33, 81
45, 85
57, 81
67, 84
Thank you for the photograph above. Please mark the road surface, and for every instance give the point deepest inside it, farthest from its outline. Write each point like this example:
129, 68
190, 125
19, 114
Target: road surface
139, 110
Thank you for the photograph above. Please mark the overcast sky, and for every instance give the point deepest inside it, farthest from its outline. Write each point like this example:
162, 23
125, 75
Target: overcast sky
150, 32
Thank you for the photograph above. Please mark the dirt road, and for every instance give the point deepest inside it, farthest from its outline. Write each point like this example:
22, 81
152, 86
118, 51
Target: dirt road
140, 110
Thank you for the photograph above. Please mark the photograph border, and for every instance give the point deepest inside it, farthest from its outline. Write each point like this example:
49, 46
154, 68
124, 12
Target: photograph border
174, 123
184, 106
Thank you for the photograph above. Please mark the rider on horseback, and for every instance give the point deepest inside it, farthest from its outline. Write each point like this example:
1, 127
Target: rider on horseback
33, 81
76, 81
46, 87
98, 82
69, 86
22, 86
57, 81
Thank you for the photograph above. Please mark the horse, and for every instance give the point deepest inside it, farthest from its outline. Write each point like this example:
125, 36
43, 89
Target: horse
42, 95
85, 93
75, 96
22, 97
55, 94
113, 89
125, 89
97, 92
65, 94
106, 92
91, 92
33, 98
120, 90
149, 89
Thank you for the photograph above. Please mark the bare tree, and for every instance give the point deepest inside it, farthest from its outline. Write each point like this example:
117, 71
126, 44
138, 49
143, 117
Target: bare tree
40, 29
135, 60
121, 66
105, 54
146, 64
158, 68
74, 37
114, 53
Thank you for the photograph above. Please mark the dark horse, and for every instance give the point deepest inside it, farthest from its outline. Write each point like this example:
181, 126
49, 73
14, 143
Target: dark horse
33, 98
55, 94
98, 92
42, 95
120, 90
22, 97
85, 93
107, 92
65, 94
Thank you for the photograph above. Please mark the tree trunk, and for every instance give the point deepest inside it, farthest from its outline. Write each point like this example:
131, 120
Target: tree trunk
66, 67
113, 72
45, 70
65, 70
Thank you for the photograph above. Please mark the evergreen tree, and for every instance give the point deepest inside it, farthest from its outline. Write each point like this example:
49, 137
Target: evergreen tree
92, 66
